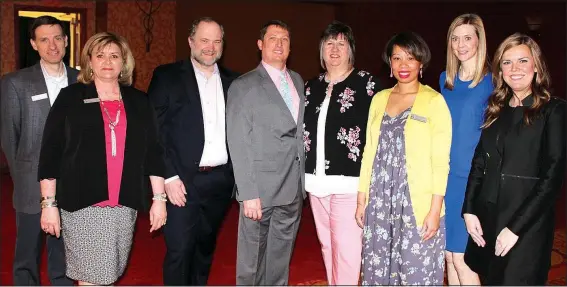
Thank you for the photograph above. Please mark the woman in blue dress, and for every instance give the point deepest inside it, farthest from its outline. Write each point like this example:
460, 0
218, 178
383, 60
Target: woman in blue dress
466, 84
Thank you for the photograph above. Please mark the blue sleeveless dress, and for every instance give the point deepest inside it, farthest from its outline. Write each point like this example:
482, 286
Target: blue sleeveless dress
467, 107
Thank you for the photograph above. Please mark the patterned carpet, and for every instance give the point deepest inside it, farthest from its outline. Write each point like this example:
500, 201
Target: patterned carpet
306, 267
557, 272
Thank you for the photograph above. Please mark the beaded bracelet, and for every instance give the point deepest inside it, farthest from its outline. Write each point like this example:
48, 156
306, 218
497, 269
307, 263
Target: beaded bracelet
160, 197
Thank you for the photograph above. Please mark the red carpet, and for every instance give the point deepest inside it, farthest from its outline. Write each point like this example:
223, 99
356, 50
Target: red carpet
148, 250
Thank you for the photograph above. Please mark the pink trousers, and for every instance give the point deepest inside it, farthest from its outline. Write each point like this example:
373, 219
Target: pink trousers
340, 237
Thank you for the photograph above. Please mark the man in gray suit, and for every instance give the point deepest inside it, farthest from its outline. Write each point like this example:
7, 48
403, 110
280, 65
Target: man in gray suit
265, 139
25, 101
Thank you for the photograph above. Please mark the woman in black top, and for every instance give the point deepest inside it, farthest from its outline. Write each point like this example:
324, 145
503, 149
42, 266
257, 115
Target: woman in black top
517, 171
99, 153
336, 113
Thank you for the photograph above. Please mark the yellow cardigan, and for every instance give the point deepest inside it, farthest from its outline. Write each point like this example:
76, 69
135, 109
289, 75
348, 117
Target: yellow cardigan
427, 142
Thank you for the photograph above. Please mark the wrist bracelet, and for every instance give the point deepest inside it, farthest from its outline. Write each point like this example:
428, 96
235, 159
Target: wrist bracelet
160, 197
47, 198
49, 204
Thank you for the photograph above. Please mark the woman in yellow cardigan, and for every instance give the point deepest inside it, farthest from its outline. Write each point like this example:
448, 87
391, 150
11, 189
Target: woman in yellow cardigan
404, 173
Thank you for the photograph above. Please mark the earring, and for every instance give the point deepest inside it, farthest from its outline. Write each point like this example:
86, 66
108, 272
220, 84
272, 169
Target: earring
391, 74
120, 75
421, 72
92, 73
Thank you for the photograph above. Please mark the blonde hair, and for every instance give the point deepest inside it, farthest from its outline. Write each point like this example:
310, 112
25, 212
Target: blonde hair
541, 83
453, 63
98, 42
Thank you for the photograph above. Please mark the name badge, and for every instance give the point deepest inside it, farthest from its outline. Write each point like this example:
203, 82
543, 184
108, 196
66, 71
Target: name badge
93, 100
418, 118
39, 97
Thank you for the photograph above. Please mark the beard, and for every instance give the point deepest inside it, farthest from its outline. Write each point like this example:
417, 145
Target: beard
198, 56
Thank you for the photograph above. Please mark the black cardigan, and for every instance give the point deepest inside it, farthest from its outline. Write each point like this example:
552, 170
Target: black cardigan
345, 127
73, 149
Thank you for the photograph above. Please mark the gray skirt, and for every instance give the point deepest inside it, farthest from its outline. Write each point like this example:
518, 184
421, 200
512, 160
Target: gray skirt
97, 242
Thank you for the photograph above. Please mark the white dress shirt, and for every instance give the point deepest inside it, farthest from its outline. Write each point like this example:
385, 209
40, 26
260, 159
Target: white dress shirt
213, 107
319, 184
54, 84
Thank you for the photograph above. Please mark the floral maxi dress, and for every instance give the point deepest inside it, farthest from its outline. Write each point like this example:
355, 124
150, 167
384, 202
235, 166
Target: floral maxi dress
393, 253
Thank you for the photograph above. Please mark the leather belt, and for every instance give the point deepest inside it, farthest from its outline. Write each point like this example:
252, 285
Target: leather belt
210, 168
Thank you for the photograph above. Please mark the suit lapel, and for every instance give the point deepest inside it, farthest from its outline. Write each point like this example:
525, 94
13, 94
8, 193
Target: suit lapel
192, 92
38, 87
300, 93
188, 77
273, 93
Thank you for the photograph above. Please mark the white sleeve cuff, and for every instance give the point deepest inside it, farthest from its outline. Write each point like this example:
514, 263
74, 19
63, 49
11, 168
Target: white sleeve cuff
171, 179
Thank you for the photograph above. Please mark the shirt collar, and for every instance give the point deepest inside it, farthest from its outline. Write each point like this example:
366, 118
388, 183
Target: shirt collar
47, 76
199, 72
273, 70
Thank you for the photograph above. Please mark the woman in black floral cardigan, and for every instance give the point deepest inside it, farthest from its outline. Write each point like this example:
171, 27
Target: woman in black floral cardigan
336, 112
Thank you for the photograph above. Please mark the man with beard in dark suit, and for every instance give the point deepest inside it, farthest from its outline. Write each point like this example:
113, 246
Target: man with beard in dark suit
189, 97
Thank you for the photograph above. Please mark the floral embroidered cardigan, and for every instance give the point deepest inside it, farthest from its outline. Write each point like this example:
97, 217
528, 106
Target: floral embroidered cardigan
345, 127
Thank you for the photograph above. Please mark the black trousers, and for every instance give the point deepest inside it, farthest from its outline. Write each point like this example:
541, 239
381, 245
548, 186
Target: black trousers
27, 255
191, 230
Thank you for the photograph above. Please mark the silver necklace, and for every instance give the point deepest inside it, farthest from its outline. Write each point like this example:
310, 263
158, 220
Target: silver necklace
113, 124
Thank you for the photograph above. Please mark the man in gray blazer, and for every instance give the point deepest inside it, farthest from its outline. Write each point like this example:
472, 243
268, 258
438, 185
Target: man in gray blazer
265, 138
25, 101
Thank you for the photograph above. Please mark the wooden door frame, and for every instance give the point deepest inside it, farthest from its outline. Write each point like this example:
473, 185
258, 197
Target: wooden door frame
17, 8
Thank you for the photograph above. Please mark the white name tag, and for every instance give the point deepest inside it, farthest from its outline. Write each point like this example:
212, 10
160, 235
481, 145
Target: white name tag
39, 97
93, 100
418, 118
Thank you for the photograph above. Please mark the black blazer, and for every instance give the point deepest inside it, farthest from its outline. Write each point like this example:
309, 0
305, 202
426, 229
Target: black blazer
516, 175
73, 149
175, 95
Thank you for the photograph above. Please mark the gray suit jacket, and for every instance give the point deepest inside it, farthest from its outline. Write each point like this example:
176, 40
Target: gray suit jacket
21, 129
265, 143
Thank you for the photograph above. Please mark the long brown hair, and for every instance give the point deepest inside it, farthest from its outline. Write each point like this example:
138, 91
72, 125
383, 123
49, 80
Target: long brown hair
453, 63
502, 93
